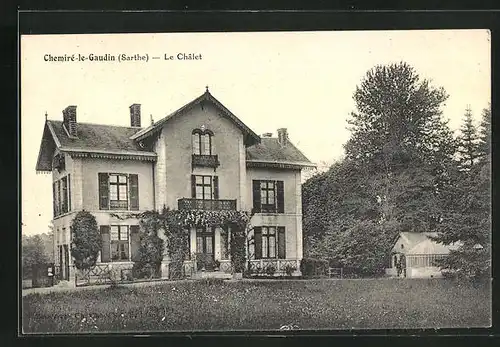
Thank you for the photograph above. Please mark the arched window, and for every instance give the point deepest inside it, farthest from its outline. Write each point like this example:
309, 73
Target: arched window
202, 142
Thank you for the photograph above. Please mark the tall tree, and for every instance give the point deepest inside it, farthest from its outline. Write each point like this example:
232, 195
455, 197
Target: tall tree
468, 142
485, 134
466, 218
400, 138
398, 118
398, 160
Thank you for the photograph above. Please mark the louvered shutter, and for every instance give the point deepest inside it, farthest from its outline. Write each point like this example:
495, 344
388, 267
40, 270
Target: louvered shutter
216, 187
193, 186
256, 195
54, 202
280, 196
103, 191
258, 242
134, 191
281, 243
135, 242
69, 192
58, 194
106, 240
64, 195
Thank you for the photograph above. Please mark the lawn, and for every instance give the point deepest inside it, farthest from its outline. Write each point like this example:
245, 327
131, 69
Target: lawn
262, 305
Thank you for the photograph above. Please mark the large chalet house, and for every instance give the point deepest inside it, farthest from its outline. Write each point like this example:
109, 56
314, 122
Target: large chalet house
198, 157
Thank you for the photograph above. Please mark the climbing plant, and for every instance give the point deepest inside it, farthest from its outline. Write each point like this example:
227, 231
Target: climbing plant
147, 262
177, 223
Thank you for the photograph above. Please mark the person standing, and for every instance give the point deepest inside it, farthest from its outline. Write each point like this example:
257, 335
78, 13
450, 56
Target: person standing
397, 261
402, 265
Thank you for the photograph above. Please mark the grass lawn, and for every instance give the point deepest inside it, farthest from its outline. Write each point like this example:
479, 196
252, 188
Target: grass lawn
262, 305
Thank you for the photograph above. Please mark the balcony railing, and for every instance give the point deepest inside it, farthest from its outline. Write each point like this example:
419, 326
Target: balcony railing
211, 205
203, 160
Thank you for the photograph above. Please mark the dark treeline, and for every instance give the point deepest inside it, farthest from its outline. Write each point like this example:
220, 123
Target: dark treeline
403, 170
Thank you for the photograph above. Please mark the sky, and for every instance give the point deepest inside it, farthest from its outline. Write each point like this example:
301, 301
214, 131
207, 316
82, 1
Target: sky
302, 81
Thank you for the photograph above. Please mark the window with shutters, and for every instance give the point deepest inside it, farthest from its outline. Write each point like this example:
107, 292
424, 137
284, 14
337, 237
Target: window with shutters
268, 196
118, 191
62, 195
119, 243
269, 242
118, 195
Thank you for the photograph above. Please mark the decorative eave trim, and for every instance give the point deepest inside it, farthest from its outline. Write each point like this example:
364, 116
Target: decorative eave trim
142, 134
39, 167
54, 136
279, 164
88, 153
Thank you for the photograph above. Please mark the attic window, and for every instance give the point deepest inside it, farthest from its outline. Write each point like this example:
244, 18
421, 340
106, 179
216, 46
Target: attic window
402, 246
202, 141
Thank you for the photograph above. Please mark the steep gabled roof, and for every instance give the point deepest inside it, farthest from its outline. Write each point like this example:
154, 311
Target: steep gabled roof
93, 139
109, 141
250, 137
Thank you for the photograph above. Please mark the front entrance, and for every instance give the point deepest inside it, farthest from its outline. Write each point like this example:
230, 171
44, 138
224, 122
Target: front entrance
205, 248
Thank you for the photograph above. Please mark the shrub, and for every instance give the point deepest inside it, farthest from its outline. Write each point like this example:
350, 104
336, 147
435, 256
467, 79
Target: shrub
270, 270
313, 267
86, 240
150, 253
237, 248
289, 269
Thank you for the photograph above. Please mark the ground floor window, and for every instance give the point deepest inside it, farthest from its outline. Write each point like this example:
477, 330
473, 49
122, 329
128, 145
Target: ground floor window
269, 242
119, 242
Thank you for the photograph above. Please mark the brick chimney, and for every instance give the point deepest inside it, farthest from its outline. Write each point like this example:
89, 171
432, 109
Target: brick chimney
282, 136
69, 121
135, 115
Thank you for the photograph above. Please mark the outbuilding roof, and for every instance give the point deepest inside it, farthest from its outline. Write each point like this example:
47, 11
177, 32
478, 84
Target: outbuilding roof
421, 243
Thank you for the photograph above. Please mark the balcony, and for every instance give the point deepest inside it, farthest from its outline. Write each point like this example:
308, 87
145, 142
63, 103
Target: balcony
209, 205
202, 160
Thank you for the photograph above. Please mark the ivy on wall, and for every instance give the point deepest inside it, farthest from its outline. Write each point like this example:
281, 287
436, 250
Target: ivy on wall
177, 223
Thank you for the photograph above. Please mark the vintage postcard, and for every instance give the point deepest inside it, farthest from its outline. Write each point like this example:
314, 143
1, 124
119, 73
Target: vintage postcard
255, 181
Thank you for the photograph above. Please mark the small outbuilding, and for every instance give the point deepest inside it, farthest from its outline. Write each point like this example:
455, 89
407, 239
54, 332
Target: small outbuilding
414, 255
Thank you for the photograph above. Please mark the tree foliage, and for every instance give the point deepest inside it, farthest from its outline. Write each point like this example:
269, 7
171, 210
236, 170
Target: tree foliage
150, 252
399, 164
86, 240
466, 218
468, 143
34, 251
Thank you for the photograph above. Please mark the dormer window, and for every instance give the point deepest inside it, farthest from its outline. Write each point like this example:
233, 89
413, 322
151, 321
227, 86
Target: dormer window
202, 142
